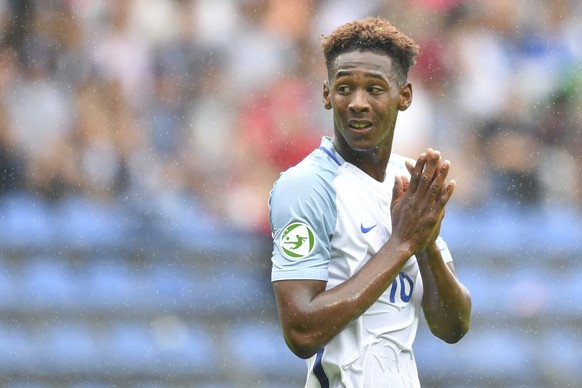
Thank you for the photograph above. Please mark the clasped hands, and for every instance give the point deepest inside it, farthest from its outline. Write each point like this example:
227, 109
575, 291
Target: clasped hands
418, 203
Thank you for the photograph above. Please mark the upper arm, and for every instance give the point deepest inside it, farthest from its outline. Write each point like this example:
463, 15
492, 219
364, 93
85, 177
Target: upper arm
302, 219
293, 298
302, 216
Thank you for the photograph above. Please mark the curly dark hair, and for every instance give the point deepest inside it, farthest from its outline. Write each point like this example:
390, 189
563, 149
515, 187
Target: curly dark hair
371, 34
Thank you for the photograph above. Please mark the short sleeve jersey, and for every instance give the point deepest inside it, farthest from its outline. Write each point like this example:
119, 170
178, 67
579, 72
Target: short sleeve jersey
328, 218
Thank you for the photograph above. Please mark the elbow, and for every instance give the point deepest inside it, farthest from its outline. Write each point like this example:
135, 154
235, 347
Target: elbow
455, 335
302, 345
303, 352
460, 325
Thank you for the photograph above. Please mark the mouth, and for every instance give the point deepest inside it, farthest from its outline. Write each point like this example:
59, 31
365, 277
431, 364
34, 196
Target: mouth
359, 125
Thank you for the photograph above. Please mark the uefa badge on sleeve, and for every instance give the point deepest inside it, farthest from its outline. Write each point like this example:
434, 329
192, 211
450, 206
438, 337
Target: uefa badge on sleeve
297, 240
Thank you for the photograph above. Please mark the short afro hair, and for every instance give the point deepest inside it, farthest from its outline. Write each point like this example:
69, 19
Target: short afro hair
371, 34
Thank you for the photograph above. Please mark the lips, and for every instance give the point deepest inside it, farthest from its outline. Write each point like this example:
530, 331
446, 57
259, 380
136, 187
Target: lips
359, 125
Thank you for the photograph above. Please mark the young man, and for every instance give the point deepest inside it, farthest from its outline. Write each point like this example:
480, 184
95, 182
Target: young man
357, 251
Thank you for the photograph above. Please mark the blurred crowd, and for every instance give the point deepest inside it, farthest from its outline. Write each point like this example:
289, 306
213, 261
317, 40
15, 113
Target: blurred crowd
206, 101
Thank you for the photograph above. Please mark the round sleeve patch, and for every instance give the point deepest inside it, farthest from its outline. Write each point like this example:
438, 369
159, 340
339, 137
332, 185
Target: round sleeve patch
297, 240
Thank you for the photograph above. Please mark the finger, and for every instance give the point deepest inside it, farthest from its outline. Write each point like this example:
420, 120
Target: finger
447, 193
416, 172
429, 172
397, 191
438, 182
409, 166
405, 183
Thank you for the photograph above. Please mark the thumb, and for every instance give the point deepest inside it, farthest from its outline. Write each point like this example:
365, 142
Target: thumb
409, 166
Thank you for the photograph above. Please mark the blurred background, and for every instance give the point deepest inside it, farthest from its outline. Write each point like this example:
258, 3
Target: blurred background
139, 140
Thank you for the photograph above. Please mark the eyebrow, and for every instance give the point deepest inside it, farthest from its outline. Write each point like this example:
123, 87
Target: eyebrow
347, 73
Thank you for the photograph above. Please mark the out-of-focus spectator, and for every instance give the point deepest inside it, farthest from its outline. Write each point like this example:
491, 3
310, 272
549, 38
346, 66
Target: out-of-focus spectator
153, 100
11, 161
278, 123
39, 105
510, 147
100, 157
560, 135
11, 166
122, 53
276, 131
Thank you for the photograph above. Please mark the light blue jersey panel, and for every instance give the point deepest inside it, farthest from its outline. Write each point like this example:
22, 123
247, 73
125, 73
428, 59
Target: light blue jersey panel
303, 216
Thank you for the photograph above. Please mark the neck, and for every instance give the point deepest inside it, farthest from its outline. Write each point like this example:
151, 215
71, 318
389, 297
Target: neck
373, 162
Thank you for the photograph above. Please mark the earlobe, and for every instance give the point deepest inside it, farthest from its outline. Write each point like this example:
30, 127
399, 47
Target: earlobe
405, 96
326, 99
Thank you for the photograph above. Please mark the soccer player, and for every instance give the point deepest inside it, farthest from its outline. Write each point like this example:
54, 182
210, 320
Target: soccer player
356, 245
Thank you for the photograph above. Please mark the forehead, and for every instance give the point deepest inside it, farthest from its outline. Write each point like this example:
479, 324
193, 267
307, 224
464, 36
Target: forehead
363, 61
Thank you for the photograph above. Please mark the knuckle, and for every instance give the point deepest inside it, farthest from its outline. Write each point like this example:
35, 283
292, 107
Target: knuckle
432, 219
443, 199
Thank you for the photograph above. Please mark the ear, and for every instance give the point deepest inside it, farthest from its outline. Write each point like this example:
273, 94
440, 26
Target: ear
405, 94
326, 92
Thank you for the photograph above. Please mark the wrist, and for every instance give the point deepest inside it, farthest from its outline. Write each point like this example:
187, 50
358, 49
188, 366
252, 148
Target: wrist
403, 249
432, 248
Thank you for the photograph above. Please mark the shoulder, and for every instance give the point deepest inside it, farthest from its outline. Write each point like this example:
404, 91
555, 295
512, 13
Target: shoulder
314, 174
305, 192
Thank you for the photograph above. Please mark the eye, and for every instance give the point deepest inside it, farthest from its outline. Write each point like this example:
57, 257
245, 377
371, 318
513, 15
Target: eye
375, 89
344, 89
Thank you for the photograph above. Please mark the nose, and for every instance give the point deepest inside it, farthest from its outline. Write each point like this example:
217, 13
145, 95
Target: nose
359, 102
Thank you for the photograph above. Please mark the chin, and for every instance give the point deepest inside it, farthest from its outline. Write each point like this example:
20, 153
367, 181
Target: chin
362, 146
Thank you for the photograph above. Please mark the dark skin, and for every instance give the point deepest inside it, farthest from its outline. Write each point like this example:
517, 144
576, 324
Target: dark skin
365, 98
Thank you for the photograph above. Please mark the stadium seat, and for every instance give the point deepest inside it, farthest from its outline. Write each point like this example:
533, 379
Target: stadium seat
566, 300
80, 223
560, 357
17, 349
46, 284
183, 219
259, 348
554, 232
22, 383
129, 348
25, 221
68, 348
166, 346
425, 347
184, 347
529, 291
238, 289
489, 291
485, 354
171, 287
92, 384
497, 351
8, 286
107, 284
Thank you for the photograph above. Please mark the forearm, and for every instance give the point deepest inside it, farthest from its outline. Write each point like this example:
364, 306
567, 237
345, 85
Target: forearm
446, 302
322, 317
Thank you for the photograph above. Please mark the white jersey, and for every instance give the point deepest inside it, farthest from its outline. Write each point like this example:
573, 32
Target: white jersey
328, 218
